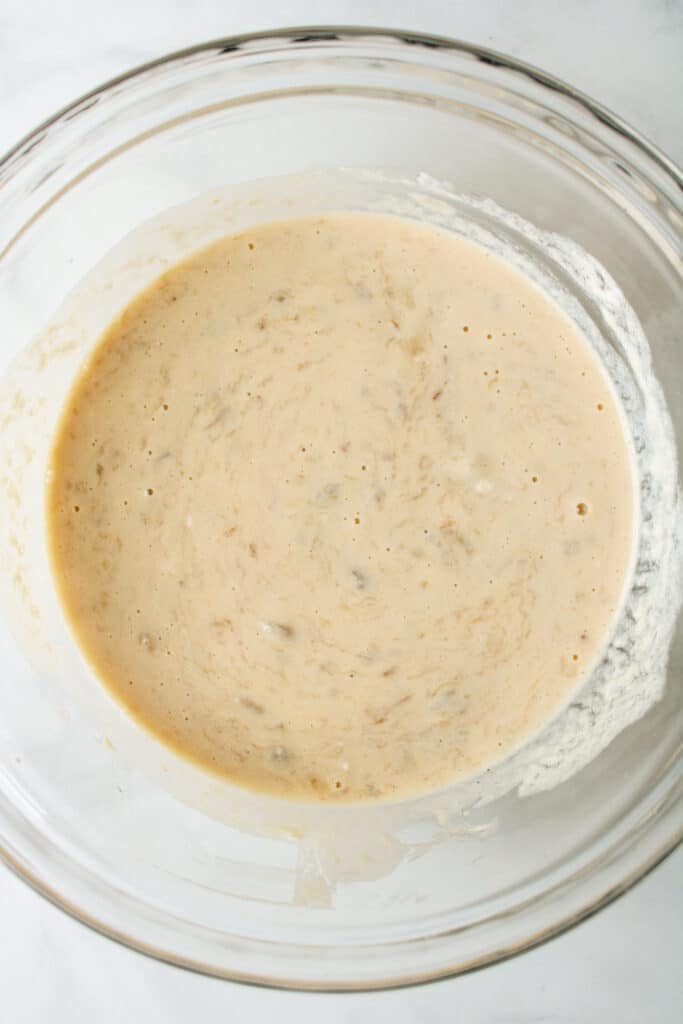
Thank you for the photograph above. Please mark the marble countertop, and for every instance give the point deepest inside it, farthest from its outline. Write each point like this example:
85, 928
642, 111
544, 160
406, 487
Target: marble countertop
624, 963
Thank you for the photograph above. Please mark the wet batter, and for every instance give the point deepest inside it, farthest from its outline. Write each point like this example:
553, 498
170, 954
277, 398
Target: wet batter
342, 508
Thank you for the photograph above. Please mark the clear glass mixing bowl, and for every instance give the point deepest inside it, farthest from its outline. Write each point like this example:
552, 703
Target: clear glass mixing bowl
94, 813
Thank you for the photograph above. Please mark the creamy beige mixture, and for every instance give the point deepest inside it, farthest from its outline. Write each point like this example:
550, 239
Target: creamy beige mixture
342, 508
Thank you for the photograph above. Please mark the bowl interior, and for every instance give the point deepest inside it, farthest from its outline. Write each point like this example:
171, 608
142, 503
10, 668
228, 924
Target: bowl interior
93, 205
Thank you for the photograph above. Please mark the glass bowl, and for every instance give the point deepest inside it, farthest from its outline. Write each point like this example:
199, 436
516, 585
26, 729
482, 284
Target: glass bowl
93, 812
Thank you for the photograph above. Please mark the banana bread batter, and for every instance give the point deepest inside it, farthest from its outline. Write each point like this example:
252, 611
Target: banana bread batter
342, 508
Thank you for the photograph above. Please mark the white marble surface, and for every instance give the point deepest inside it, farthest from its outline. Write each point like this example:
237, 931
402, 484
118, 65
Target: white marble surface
622, 965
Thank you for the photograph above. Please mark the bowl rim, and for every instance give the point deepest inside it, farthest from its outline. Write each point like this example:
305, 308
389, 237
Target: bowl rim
403, 980
303, 35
